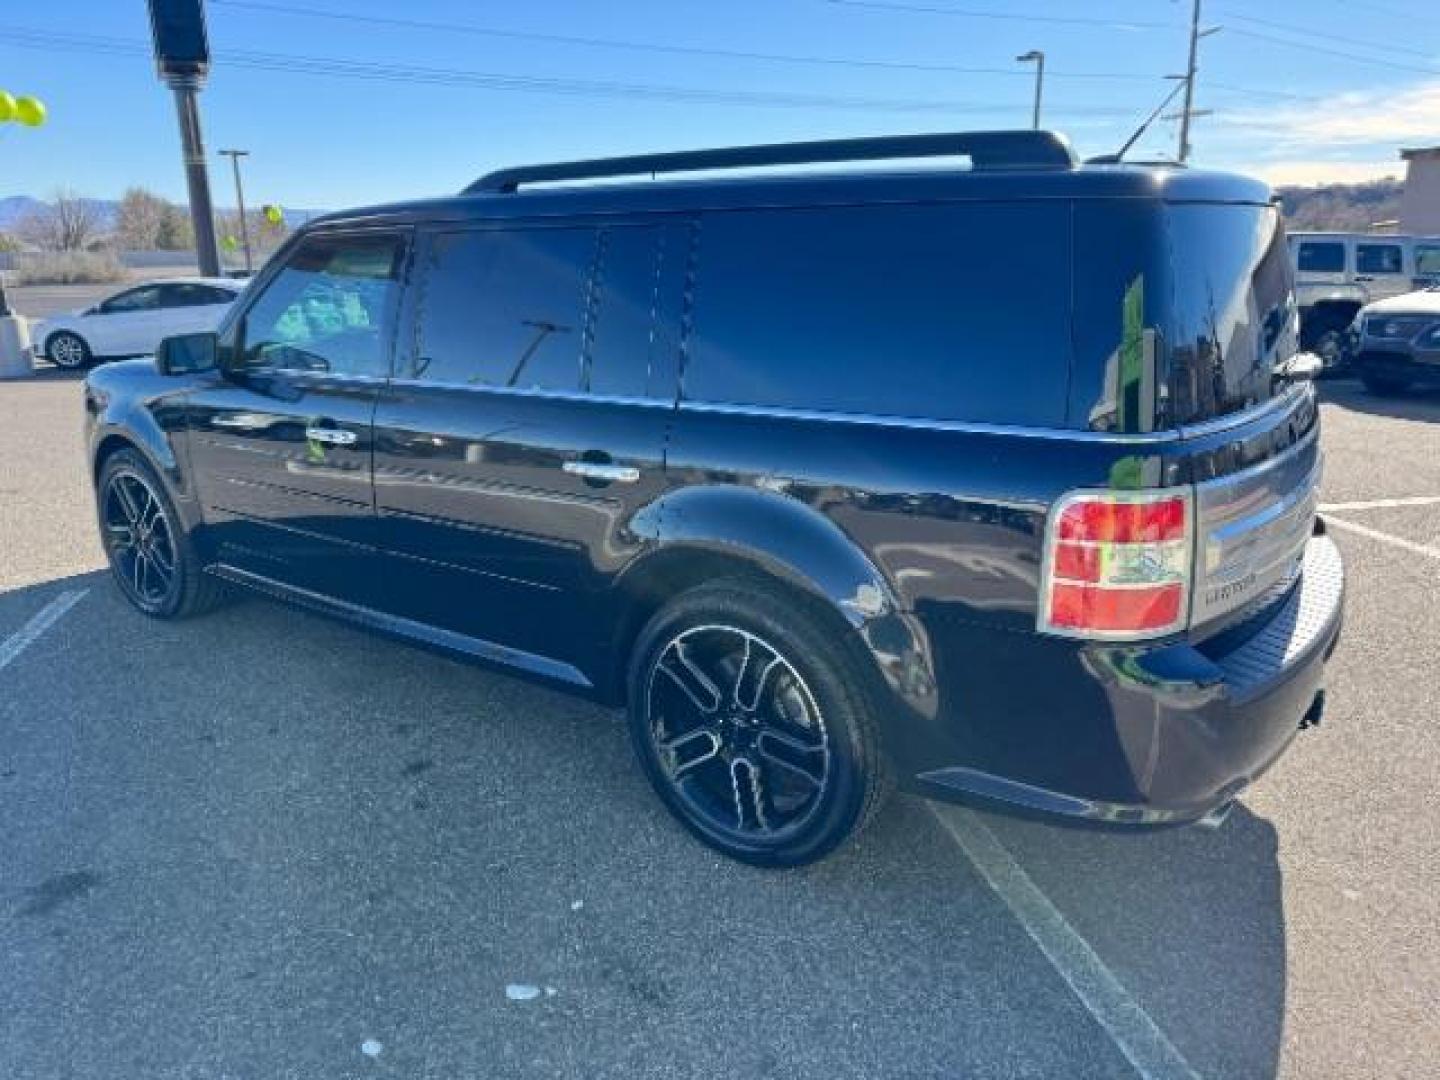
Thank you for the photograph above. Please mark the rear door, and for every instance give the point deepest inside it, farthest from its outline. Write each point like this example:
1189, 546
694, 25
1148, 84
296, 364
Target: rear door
280, 440
526, 425
1320, 262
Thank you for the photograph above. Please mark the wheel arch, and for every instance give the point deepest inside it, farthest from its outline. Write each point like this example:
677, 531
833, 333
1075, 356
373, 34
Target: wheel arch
775, 541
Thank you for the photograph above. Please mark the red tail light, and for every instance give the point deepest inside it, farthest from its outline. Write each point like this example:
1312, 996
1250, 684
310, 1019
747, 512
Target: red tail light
1117, 564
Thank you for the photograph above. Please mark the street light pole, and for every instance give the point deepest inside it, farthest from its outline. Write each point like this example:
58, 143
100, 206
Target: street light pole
202, 214
235, 156
1038, 58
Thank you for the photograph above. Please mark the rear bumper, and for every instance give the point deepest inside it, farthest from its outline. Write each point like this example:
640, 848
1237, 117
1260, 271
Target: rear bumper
1164, 735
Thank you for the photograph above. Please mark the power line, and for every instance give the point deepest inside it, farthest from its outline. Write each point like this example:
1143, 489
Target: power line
1005, 16
1392, 65
651, 47
1232, 14
418, 75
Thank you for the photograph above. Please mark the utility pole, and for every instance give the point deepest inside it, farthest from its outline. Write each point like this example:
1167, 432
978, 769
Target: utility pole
1038, 58
182, 58
1188, 110
235, 156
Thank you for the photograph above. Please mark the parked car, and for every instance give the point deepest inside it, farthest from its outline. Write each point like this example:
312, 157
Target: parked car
1336, 274
788, 467
133, 321
1398, 342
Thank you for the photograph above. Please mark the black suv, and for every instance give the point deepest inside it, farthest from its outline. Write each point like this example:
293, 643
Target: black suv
998, 481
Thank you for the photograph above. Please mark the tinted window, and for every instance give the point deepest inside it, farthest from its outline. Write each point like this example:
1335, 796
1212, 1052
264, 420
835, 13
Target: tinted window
504, 308
1229, 319
329, 309
1377, 258
1427, 260
634, 345
146, 298
1321, 258
949, 311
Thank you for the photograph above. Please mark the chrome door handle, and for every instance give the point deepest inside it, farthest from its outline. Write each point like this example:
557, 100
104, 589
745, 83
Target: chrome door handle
333, 436
594, 470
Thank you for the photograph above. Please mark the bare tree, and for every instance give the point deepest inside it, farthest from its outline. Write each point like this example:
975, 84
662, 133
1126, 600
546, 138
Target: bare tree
139, 219
69, 223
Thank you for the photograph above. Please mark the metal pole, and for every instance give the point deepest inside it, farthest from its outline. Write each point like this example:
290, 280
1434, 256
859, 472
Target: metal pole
1188, 107
197, 179
235, 156
1039, 59
1039, 88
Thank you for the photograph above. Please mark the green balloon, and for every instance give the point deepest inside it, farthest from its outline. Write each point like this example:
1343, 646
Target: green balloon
30, 111
7, 107
274, 215
230, 243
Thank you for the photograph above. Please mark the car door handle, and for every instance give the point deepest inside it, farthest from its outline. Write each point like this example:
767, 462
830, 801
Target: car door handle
594, 470
333, 436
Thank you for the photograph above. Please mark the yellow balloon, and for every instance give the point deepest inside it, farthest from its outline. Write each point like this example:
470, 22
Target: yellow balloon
7, 107
30, 111
274, 215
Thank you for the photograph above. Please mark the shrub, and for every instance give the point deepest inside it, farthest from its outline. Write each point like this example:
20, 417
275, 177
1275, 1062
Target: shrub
68, 268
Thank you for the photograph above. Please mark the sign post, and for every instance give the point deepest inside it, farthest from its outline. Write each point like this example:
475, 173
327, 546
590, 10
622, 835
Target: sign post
182, 58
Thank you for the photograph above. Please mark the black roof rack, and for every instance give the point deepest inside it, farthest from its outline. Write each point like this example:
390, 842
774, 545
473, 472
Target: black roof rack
985, 149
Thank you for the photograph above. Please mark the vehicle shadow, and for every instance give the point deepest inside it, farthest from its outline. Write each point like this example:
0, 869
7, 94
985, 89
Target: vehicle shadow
1415, 404
271, 817
1191, 921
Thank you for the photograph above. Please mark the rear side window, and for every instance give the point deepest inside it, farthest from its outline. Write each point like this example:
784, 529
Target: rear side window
1377, 259
636, 297
1320, 257
945, 311
504, 308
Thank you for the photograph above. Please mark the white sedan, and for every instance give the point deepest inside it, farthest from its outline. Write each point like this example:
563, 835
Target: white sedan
133, 322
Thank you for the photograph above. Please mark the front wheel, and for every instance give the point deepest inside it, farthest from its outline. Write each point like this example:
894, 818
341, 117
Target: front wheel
68, 351
150, 553
753, 721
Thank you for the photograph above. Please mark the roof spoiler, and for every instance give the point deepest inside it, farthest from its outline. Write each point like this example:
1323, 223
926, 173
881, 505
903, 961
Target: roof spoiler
985, 149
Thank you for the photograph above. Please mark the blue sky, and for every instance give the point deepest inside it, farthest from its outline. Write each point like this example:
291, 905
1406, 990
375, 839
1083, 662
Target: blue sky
326, 140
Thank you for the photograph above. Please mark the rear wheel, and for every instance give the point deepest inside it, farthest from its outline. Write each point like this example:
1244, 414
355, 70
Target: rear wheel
1383, 385
753, 722
150, 553
68, 351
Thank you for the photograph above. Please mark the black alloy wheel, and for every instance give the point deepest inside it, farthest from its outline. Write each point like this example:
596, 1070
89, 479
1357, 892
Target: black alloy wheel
766, 756
150, 554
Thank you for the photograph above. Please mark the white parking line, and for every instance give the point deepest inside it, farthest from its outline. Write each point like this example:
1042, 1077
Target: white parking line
1383, 537
41, 621
1381, 504
1136, 1035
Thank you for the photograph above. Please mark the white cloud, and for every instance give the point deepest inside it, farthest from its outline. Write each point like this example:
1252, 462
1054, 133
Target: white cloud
1361, 118
1311, 173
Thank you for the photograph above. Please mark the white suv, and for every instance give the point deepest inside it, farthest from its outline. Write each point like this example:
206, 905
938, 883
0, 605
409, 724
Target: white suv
1336, 274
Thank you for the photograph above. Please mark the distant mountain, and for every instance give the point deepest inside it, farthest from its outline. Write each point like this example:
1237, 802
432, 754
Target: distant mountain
1341, 207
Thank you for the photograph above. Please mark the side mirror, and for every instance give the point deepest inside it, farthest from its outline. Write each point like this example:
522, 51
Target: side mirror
187, 353
1302, 367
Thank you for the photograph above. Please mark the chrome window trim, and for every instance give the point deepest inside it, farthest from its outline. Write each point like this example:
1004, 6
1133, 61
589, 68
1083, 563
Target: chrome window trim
1278, 403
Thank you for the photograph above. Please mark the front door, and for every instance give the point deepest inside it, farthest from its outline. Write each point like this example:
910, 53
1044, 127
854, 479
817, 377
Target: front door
280, 440
527, 427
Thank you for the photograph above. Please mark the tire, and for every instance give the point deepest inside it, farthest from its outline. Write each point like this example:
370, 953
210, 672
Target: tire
1382, 386
753, 719
151, 556
68, 351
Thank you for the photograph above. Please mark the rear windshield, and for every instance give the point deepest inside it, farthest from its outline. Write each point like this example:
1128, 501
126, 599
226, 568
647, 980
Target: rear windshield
1229, 321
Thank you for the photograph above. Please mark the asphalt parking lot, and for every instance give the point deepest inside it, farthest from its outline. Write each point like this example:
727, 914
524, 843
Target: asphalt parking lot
264, 845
